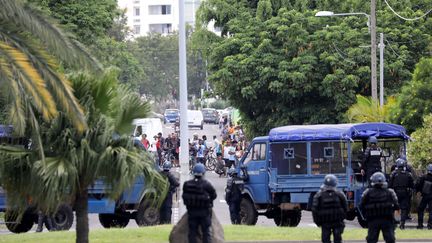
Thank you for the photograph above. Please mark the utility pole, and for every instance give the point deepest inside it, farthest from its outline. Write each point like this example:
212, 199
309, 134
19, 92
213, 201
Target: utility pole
373, 51
381, 47
184, 146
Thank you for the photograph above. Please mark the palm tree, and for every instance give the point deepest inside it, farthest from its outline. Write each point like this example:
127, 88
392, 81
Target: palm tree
74, 160
31, 47
368, 110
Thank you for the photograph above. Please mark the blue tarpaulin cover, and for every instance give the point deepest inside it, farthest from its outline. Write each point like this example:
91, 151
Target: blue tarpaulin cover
5, 130
336, 131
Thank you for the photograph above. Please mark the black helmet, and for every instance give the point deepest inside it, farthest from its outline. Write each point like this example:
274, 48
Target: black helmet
373, 139
401, 162
198, 170
166, 165
378, 179
330, 180
429, 168
232, 172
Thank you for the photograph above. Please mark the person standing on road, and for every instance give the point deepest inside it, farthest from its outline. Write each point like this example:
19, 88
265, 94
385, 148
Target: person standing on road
145, 141
378, 205
329, 210
44, 219
424, 186
166, 208
371, 162
233, 195
198, 196
200, 148
402, 182
229, 154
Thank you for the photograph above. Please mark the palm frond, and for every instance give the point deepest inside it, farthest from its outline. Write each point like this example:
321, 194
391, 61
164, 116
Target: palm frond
61, 45
30, 78
129, 107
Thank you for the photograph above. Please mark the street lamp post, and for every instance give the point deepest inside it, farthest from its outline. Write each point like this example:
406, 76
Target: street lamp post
371, 23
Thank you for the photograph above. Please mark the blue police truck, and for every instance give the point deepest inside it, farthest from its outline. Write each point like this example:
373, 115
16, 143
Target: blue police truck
137, 202
287, 167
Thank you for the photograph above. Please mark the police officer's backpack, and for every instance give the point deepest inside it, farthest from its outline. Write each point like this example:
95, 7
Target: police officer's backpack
380, 204
427, 187
331, 209
194, 195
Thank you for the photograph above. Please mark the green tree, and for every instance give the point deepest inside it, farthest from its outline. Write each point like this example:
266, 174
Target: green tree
367, 110
420, 147
30, 49
75, 160
415, 99
306, 72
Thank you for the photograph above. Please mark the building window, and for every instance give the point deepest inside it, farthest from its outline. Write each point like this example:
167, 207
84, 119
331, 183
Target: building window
160, 28
136, 1
137, 29
137, 20
166, 9
159, 9
136, 11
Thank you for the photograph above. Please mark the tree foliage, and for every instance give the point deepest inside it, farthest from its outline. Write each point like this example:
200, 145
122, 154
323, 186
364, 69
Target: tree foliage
415, 99
368, 110
158, 55
295, 68
75, 160
420, 148
31, 48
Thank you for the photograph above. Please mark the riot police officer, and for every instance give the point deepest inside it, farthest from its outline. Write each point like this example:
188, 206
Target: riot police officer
233, 193
371, 162
424, 186
166, 208
402, 182
329, 209
378, 205
198, 196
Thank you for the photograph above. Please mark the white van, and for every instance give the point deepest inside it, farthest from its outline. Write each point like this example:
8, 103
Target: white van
148, 126
195, 119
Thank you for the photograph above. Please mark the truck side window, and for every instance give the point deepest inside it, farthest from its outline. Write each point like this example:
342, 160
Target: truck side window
289, 158
256, 153
329, 157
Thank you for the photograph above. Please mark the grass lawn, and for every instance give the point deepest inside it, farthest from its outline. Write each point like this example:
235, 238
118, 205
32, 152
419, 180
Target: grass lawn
159, 234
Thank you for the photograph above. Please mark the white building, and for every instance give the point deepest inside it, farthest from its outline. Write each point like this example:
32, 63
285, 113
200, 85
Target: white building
159, 16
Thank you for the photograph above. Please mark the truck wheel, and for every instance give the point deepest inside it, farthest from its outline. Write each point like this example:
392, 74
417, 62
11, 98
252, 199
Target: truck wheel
362, 222
63, 218
289, 218
248, 213
147, 214
23, 226
113, 220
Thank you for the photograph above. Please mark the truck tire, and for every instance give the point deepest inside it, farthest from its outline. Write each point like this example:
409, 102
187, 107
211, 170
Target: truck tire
63, 218
113, 220
147, 214
24, 225
290, 218
248, 213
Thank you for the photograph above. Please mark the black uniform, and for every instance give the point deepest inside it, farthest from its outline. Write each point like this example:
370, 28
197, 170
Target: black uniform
198, 196
371, 162
166, 208
233, 192
424, 186
329, 209
402, 182
378, 206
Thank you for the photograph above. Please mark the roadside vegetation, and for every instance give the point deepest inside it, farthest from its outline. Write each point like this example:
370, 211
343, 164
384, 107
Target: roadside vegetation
160, 234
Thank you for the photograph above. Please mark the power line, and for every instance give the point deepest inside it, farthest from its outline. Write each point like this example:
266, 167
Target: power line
390, 45
404, 18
